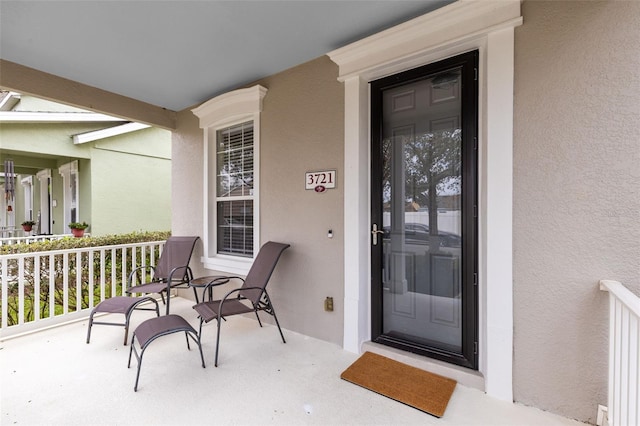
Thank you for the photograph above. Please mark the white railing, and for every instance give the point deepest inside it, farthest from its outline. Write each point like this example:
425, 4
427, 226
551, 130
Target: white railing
45, 288
28, 239
624, 355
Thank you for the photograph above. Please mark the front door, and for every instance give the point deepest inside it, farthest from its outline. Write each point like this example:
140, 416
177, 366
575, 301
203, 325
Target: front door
424, 210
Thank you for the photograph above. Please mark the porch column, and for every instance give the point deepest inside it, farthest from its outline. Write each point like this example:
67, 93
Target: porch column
45, 204
498, 218
356, 215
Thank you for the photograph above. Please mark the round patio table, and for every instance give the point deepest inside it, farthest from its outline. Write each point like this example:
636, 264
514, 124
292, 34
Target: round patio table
203, 282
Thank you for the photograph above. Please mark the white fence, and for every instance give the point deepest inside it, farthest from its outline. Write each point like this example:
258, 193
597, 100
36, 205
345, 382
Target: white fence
41, 289
28, 239
624, 355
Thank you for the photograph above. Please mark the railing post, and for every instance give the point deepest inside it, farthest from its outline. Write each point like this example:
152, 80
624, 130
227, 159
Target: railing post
36, 287
624, 355
5, 292
52, 286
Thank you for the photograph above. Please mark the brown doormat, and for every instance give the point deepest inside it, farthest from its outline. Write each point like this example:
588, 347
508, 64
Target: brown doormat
417, 388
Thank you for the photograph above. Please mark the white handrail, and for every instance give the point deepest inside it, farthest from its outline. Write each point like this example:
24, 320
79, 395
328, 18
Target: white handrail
624, 355
40, 291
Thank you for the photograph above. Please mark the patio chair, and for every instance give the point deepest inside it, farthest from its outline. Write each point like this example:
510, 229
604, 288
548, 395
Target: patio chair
171, 271
153, 328
252, 296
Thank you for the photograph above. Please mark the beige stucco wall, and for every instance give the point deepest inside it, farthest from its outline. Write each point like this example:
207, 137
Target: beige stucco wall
301, 130
576, 195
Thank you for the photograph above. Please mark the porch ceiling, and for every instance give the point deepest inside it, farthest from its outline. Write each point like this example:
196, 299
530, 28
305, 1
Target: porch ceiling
176, 54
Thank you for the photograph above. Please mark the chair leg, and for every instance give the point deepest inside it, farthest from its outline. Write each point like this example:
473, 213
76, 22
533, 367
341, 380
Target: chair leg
90, 325
135, 387
196, 339
201, 354
126, 332
186, 336
138, 358
270, 310
130, 352
278, 324
217, 340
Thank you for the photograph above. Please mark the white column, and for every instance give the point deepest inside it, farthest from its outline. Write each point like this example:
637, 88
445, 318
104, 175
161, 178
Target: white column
71, 192
498, 216
45, 212
356, 216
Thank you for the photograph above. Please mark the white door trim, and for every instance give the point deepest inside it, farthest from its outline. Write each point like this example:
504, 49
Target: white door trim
457, 28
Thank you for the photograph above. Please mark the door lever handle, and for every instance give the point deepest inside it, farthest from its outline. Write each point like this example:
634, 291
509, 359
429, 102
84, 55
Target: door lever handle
375, 232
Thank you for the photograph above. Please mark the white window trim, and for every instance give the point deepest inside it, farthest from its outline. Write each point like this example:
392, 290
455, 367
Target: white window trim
486, 25
223, 111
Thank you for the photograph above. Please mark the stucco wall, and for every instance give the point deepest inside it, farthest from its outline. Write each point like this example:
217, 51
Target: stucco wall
131, 192
576, 195
301, 130
187, 169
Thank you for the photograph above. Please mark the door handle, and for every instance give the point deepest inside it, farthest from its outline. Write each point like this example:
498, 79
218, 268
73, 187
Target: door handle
375, 232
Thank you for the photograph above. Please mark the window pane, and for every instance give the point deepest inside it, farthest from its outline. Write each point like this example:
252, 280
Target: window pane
234, 168
235, 227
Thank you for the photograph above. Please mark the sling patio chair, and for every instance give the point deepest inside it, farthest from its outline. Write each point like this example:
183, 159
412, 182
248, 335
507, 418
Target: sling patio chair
252, 296
171, 271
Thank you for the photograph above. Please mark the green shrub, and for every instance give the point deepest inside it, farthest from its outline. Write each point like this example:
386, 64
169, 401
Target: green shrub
67, 243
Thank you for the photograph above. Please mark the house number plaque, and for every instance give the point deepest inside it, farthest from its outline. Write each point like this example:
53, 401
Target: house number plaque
320, 181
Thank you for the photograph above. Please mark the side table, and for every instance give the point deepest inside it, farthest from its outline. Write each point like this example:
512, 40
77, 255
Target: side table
203, 282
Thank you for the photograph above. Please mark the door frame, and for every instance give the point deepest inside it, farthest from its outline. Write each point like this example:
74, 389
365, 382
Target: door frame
490, 28
468, 63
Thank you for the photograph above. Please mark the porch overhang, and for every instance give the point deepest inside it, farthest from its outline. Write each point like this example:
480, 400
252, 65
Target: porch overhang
27, 80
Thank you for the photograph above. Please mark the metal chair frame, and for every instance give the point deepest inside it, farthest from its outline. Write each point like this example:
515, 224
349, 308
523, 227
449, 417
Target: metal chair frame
134, 306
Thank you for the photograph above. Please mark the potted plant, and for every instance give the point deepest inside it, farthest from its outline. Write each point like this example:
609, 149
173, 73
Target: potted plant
77, 228
27, 225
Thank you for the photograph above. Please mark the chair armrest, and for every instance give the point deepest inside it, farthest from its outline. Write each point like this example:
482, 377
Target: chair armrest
134, 271
188, 274
236, 290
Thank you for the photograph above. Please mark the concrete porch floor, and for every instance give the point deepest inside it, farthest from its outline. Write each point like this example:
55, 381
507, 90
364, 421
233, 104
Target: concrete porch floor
53, 377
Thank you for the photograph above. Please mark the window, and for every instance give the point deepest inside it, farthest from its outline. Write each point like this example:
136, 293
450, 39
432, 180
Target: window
234, 189
231, 124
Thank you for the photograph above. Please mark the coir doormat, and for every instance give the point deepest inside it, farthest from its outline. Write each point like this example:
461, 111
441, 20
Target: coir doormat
417, 388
